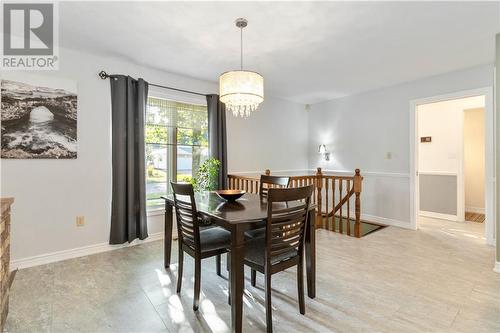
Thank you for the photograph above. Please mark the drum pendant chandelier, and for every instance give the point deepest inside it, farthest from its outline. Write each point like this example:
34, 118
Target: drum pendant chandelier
241, 91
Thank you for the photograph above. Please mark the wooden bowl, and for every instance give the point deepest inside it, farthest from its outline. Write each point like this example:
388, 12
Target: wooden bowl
230, 195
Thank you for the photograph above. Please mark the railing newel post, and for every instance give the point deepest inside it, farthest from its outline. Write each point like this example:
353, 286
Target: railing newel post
357, 190
319, 186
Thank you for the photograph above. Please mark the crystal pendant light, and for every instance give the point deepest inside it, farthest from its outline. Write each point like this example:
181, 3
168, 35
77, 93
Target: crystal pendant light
241, 91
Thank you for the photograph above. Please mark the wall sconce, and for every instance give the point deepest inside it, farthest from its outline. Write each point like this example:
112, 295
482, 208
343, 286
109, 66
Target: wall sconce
322, 151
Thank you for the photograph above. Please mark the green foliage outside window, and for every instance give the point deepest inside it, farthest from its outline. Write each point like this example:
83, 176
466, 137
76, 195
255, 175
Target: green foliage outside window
176, 144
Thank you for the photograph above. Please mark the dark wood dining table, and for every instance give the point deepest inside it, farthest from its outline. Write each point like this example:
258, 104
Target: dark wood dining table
238, 217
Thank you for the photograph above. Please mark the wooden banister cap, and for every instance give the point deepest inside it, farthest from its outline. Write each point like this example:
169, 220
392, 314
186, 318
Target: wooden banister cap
357, 172
268, 172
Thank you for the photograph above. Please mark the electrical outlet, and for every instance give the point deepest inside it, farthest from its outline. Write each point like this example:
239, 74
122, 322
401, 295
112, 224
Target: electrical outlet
80, 221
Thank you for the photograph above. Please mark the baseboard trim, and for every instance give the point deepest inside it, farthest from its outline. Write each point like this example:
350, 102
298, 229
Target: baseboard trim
477, 210
438, 215
386, 221
76, 252
496, 269
382, 220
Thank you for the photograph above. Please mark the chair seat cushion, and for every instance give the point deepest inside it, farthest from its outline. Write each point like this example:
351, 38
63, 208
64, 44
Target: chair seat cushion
255, 233
259, 231
214, 238
255, 250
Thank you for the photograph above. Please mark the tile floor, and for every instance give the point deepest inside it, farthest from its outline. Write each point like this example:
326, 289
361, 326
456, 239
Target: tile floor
437, 279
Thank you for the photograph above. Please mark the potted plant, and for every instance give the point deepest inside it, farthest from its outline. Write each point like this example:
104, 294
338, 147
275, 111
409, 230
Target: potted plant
206, 178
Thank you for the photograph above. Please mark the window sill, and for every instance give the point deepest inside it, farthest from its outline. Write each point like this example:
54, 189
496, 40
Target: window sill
155, 211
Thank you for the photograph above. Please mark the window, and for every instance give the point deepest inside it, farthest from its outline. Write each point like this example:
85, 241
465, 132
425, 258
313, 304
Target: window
176, 144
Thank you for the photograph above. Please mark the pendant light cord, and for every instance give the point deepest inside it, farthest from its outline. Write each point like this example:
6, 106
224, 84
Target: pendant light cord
241, 48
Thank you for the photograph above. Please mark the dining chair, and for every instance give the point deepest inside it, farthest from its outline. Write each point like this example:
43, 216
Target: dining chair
269, 182
272, 182
199, 243
266, 182
283, 244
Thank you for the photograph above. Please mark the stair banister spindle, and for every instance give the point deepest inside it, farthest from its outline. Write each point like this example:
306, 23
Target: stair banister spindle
348, 190
341, 226
328, 224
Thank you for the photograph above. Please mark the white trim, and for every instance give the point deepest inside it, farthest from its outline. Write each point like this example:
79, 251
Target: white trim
155, 211
438, 215
461, 170
490, 162
477, 210
414, 194
342, 172
384, 220
496, 269
366, 173
489, 155
437, 173
261, 172
380, 220
77, 252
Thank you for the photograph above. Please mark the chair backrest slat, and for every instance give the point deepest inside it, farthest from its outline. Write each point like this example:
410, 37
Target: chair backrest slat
267, 182
187, 215
287, 215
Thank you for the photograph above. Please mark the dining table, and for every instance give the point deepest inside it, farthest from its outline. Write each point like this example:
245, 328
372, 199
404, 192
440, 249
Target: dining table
238, 216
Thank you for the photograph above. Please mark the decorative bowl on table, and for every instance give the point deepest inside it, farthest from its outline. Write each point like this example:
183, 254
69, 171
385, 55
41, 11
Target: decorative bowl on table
230, 195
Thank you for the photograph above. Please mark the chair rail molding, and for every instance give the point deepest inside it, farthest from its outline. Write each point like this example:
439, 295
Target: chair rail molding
368, 173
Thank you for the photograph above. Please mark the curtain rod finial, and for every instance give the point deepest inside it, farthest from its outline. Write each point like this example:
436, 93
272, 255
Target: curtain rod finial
103, 75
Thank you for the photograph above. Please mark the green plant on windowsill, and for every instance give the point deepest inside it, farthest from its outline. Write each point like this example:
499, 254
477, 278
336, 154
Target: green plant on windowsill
206, 178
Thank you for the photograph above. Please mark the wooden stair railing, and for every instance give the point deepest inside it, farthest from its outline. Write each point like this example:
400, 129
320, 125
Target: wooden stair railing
332, 195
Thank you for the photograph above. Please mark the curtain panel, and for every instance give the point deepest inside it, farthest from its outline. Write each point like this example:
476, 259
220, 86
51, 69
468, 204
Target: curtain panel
128, 204
217, 139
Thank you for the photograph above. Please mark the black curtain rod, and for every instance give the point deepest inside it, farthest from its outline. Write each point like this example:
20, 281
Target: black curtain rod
103, 75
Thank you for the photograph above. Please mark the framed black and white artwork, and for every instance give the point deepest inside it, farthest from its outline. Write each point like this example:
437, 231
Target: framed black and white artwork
38, 119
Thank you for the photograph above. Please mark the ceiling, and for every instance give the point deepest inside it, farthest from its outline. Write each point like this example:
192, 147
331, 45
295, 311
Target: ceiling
307, 52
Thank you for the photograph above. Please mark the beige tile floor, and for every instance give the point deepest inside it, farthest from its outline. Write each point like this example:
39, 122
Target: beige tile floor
437, 279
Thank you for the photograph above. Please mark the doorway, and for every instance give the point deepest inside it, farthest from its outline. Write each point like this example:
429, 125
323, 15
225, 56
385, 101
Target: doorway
452, 158
474, 173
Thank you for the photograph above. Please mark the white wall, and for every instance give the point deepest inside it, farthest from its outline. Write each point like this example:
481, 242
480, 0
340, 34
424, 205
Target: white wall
444, 122
274, 137
360, 130
474, 162
51, 193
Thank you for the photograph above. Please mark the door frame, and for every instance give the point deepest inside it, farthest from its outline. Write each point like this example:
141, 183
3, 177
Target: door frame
489, 188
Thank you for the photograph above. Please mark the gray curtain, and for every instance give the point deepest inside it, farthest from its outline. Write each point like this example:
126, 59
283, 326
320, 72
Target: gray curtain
128, 204
217, 135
